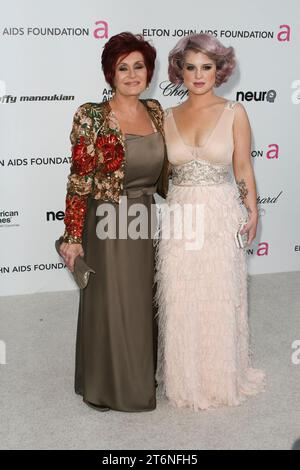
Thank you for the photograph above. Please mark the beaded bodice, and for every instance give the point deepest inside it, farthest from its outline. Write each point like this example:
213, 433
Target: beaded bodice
206, 164
198, 172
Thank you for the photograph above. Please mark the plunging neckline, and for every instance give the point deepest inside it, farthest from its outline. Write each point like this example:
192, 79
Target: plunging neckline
201, 147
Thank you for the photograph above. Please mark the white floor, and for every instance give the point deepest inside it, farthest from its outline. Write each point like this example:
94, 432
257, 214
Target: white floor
39, 410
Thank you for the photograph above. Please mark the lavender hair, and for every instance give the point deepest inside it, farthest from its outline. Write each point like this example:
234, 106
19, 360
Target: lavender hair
223, 57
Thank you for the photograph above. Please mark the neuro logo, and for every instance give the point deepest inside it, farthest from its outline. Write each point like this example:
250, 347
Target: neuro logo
52, 216
269, 96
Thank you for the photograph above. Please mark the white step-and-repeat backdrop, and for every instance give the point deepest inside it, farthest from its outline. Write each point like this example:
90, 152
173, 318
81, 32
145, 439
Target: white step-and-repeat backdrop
50, 64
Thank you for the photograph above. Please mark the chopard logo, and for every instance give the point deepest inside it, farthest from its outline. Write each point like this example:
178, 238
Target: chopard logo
169, 89
268, 199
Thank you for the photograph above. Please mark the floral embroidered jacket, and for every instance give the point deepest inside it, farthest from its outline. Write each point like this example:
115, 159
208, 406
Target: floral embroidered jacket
98, 158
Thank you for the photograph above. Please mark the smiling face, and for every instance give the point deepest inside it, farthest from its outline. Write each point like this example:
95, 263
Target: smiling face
131, 74
199, 72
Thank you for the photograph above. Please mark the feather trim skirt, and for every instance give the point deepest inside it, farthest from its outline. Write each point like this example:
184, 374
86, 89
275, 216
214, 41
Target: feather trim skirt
204, 356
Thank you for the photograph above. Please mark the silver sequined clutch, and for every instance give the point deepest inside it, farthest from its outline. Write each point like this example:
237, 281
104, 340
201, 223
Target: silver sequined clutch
81, 271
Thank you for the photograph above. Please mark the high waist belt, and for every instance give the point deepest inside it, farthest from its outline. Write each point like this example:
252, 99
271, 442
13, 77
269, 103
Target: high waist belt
199, 172
137, 192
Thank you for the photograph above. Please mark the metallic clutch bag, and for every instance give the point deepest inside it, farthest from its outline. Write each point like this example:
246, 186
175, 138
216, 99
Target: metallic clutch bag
81, 271
241, 240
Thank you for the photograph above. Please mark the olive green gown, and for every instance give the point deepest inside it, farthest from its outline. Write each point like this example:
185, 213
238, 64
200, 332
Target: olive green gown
116, 332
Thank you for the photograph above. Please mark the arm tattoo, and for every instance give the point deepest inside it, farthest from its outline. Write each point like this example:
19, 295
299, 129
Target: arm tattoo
243, 194
242, 190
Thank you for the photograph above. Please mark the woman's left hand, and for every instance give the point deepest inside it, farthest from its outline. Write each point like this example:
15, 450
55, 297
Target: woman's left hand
250, 227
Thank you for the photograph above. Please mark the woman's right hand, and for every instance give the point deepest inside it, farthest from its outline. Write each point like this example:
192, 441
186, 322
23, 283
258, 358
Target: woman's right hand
69, 251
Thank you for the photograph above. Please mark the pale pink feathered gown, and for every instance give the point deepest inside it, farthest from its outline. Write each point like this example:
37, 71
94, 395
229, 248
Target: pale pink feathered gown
204, 358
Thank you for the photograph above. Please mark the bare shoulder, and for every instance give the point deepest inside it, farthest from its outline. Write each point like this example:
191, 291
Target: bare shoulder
238, 107
241, 124
240, 113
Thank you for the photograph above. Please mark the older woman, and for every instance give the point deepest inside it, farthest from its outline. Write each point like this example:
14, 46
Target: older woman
202, 275
118, 162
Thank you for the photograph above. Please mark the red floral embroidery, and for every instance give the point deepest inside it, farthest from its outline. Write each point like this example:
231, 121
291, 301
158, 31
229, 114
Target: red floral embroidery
83, 162
112, 151
76, 207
